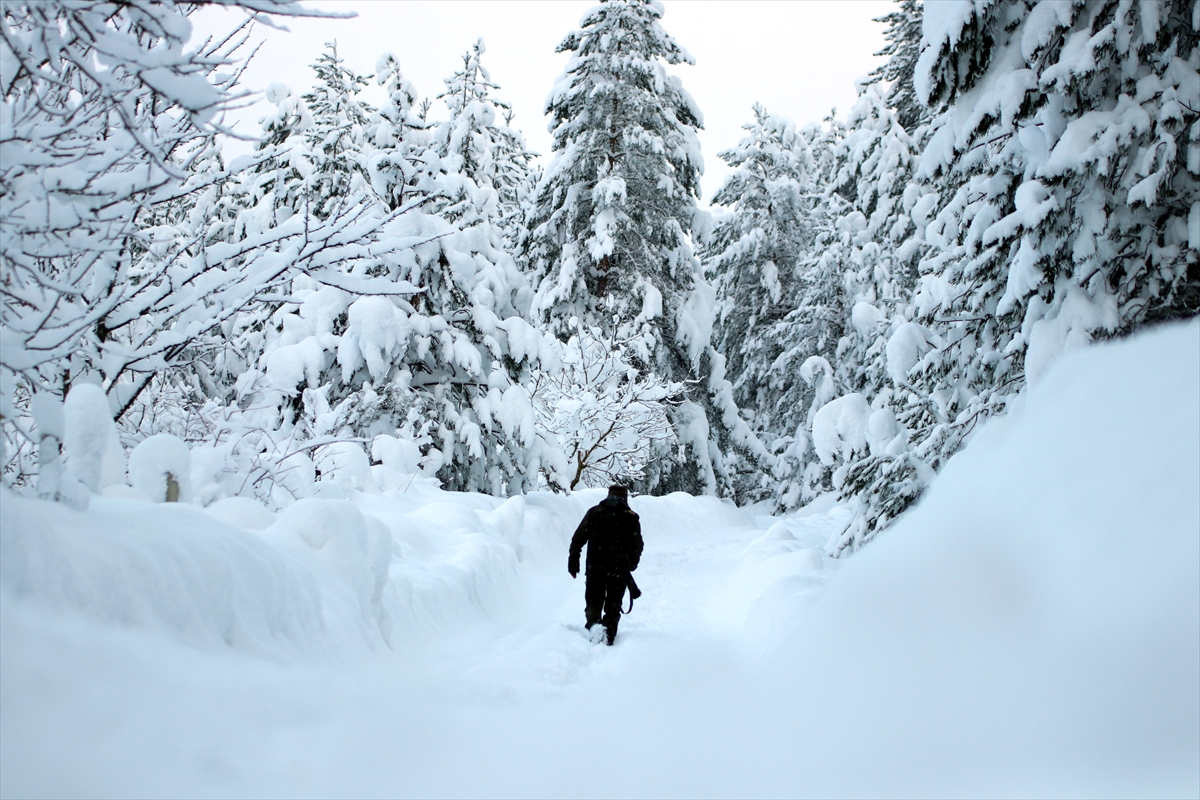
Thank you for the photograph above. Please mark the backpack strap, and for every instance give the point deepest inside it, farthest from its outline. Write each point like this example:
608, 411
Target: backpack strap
634, 591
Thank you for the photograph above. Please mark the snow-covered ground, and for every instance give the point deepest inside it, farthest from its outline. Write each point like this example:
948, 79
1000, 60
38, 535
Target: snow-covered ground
1031, 627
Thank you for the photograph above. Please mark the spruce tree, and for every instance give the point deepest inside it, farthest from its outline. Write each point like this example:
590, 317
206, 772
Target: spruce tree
753, 254
399, 163
615, 208
1056, 209
281, 174
335, 137
610, 230
903, 48
479, 144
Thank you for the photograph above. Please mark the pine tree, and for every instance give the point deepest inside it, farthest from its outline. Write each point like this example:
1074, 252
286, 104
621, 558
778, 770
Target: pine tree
610, 241
615, 207
284, 163
903, 48
400, 162
479, 144
754, 249
335, 139
1058, 209
867, 266
358, 351
516, 179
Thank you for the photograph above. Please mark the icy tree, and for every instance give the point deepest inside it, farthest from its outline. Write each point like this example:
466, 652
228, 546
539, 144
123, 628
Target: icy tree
1061, 206
853, 296
134, 257
779, 278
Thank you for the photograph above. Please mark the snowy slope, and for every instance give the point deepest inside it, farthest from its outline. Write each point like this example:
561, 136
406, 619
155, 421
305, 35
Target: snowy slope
1032, 627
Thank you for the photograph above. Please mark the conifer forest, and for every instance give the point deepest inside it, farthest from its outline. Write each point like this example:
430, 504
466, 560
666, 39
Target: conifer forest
382, 356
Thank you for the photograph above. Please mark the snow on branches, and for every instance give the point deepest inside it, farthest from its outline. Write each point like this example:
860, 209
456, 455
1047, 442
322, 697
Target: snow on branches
610, 419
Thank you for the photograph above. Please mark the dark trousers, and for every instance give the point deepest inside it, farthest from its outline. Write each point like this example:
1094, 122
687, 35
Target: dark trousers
603, 595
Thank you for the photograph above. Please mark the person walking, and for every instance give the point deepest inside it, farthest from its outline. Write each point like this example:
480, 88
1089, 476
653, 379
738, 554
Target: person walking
613, 535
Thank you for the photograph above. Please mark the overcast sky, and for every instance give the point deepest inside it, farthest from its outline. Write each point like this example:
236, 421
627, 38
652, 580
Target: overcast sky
797, 57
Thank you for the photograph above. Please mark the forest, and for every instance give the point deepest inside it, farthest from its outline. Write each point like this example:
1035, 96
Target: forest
381, 285
294, 440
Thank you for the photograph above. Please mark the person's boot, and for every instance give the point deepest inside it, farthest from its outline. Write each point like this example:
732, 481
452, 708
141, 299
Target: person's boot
612, 636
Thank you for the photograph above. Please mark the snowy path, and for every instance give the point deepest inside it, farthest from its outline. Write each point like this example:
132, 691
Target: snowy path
690, 575
491, 665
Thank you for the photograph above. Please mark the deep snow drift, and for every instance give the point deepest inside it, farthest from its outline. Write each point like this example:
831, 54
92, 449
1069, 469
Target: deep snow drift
1031, 627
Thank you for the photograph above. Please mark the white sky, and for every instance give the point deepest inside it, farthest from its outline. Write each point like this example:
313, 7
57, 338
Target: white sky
797, 57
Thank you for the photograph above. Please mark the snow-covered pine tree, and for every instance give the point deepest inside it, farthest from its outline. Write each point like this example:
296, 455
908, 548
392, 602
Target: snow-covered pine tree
399, 161
610, 231
284, 164
1062, 205
341, 356
615, 206
871, 249
335, 137
517, 179
751, 257
479, 144
903, 47
791, 206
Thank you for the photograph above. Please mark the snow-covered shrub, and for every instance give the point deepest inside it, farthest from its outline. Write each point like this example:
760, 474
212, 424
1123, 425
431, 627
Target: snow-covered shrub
347, 465
609, 418
160, 467
94, 456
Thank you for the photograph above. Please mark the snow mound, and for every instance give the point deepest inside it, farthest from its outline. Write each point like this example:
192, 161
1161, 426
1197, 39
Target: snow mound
840, 427
158, 462
1037, 615
164, 568
90, 442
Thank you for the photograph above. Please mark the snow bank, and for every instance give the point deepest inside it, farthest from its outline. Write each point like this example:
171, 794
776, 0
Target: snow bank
1033, 626
160, 568
321, 577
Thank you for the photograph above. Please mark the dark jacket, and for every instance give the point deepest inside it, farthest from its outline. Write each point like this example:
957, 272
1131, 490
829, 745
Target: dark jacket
613, 534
